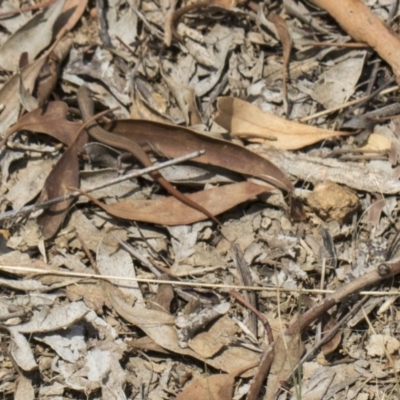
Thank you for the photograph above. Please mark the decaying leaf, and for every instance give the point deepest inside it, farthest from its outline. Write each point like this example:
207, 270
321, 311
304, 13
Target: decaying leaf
71, 14
40, 32
335, 86
48, 76
382, 345
332, 344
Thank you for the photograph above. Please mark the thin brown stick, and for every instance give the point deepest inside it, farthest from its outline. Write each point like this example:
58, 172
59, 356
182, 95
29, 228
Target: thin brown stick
265, 365
335, 44
384, 271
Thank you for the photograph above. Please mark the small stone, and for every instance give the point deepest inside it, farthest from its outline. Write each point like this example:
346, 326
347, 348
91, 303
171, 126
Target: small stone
333, 202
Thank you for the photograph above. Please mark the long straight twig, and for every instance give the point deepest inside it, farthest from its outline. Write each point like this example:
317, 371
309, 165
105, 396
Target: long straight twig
41, 271
34, 207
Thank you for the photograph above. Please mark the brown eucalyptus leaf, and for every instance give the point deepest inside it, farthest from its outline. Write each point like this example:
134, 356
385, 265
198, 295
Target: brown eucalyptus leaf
171, 211
51, 121
173, 141
64, 175
247, 121
212, 387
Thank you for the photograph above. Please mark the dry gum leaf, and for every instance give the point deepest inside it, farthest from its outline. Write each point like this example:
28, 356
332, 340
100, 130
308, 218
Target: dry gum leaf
64, 176
53, 122
174, 141
171, 211
248, 121
169, 140
71, 14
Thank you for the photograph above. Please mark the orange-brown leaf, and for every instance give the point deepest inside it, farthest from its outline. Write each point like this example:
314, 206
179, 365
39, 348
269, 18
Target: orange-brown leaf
53, 122
171, 211
245, 120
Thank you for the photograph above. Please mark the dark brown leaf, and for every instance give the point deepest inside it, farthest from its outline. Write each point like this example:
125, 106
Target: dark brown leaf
174, 141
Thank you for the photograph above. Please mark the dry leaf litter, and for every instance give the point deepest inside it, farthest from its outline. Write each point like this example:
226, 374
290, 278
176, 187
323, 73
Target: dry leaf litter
125, 291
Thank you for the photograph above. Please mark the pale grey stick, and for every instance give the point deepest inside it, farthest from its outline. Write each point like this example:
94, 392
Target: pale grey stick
34, 207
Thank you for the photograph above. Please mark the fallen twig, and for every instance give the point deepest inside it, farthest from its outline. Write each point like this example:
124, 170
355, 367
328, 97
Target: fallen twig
34, 207
383, 271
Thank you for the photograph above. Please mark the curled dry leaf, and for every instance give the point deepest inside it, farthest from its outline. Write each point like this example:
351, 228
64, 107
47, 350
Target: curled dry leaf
245, 120
332, 345
171, 211
70, 15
